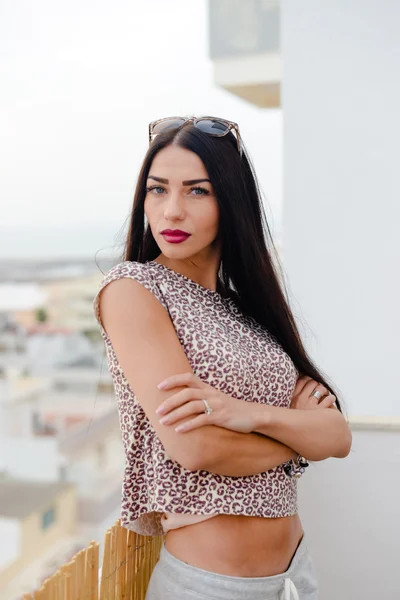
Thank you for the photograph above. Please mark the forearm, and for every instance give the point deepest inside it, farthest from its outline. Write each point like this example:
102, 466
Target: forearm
240, 454
314, 434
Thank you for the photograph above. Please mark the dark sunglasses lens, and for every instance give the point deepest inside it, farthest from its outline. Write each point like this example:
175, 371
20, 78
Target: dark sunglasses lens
167, 124
212, 126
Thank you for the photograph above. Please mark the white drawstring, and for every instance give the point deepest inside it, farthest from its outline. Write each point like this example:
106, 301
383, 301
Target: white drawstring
289, 591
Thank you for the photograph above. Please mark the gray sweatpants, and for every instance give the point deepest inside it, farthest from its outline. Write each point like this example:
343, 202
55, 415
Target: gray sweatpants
173, 579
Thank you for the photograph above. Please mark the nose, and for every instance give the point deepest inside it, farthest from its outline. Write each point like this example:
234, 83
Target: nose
173, 208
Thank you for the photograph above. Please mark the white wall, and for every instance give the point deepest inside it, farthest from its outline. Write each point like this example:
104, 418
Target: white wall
341, 99
10, 541
84, 470
90, 466
35, 459
114, 451
16, 417
350, 514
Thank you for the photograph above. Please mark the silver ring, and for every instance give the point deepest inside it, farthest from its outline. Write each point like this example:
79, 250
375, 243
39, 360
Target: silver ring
317, 394
208, 410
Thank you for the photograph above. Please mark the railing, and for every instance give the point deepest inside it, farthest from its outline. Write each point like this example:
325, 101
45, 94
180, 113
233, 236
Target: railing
128, 561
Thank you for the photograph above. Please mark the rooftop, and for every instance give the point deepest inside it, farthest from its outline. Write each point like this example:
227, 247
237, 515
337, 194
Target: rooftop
20, 296
48, 329
18, 499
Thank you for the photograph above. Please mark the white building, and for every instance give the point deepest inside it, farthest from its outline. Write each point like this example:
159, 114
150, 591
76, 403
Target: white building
37, 529
58, 428
48, 348
65, 429
70, 301
333, 68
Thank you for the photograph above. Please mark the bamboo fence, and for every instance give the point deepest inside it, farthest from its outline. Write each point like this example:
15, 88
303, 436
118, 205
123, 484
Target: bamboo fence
128, 561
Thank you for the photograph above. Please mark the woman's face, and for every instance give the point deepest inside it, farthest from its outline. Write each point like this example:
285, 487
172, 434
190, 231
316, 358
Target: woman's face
180, 198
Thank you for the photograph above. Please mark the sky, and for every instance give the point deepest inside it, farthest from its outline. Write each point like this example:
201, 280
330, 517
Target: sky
80, 82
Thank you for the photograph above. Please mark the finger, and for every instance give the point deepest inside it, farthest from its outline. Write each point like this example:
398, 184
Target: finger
195, 423
314, 386
188, 379
301, 383
190, 408
179, 399
333, 405
312, 402
307, 388
327, 401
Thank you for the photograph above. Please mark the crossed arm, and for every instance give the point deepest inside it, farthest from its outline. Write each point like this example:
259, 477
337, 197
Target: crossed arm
315, 429
148, 351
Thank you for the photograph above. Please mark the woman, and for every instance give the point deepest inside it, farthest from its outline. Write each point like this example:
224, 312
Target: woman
206, 361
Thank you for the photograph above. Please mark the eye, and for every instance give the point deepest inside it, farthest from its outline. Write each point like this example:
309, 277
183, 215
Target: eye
199, 191
157, 189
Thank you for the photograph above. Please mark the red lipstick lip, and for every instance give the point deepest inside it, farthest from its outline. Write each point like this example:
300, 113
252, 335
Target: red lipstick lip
176, 232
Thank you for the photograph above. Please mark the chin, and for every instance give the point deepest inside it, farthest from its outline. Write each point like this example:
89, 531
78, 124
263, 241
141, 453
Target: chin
175, 250
176, 253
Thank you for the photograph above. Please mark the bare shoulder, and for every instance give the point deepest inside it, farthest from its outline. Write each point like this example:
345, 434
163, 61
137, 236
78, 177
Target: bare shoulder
129, 295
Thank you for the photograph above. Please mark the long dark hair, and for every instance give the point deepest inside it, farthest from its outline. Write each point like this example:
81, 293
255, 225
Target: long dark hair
249, 269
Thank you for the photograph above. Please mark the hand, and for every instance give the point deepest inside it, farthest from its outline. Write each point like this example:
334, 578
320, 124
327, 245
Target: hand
227, 412
302, 396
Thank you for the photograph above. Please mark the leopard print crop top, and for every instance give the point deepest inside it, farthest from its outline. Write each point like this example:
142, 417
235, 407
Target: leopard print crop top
227, 350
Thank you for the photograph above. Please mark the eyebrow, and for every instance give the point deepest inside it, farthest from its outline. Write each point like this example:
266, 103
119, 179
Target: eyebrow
187, 182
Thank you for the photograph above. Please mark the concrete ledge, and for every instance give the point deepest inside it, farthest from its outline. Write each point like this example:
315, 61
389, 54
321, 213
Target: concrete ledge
264, 95
370, 423
253, 69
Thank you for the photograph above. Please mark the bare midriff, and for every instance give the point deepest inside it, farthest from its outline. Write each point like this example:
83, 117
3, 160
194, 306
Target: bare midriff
238, 546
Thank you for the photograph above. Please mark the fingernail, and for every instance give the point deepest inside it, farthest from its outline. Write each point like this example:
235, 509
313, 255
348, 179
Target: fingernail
161, 385
164, 420
180, 428
160, 410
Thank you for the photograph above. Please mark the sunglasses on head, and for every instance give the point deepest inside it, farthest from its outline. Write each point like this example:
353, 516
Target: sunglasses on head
211, 125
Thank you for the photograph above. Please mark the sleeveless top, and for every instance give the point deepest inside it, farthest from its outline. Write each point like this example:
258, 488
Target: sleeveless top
233, 353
